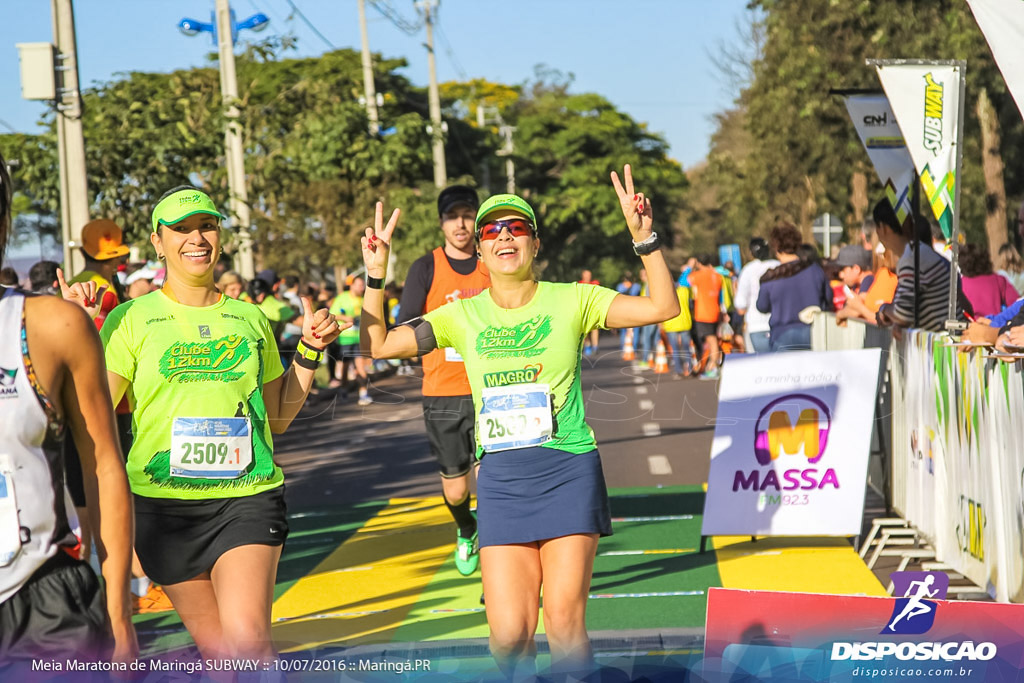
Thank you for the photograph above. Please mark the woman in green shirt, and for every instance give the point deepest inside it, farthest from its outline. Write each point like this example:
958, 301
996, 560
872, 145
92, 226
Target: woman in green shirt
541, 493
204, 379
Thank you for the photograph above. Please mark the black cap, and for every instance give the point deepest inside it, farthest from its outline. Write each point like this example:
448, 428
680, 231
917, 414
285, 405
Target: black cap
454, 195
267, 275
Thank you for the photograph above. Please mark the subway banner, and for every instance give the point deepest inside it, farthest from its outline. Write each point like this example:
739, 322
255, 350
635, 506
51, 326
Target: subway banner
876, 125
925, 99
1002, 22
791, 445
771, 637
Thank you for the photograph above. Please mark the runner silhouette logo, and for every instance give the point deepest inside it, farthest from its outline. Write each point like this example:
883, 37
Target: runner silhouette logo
914, 613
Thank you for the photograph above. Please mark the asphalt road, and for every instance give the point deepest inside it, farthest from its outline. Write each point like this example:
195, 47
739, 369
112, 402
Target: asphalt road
651, 429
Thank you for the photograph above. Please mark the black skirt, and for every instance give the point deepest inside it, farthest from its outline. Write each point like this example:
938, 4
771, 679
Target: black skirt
177, 540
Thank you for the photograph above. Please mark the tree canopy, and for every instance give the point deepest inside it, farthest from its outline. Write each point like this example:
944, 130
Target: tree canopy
787, 150
314, 171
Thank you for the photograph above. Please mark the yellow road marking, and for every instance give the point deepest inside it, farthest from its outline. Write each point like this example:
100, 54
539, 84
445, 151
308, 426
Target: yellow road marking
800, 565
343, 600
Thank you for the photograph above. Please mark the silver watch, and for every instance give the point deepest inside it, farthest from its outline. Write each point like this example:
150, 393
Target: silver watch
648, 245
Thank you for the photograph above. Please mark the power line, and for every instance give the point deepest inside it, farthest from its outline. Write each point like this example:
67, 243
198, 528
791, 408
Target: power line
273, 10
451, 53
400, 22
308, 23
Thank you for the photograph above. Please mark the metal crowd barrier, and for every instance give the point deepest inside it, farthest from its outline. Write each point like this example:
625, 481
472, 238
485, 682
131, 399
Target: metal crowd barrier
948, 455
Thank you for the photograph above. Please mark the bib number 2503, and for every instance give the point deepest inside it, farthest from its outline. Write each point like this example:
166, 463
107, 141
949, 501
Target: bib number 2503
210, 448
515, 416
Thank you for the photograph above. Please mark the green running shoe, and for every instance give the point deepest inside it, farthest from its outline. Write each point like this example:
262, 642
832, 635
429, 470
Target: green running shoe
467, 554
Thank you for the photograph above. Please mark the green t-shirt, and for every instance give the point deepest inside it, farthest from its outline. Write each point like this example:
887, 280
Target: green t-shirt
197, 364
352, 306
540, 342
278, 313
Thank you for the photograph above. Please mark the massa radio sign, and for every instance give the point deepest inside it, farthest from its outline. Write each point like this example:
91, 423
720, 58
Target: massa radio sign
793, 431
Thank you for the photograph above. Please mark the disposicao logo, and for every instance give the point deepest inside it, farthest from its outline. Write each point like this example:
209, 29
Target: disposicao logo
914, 614
793, 425
914, 610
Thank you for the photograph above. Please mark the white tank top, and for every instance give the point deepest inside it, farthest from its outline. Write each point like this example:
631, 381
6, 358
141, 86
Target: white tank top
33, 517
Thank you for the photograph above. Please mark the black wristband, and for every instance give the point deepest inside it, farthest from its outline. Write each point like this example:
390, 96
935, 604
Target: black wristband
374, 282
304, 362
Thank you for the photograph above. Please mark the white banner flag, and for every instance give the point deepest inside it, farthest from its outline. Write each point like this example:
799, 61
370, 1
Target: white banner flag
876, 125
1002, 22
792, 438
925, 99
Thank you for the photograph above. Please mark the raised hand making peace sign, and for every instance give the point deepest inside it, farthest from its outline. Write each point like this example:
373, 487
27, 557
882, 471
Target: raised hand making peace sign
376, 242
635, 206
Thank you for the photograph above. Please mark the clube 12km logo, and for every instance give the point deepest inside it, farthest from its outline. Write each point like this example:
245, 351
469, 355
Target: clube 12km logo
796, 424
914, 614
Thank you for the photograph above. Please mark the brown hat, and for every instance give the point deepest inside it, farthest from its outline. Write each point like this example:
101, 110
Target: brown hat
103, 240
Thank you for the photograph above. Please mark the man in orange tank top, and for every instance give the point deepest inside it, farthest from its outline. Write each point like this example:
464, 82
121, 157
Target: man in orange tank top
444, 275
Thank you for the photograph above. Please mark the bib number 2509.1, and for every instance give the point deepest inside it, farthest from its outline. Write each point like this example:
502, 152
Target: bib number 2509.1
515, 416
210, 448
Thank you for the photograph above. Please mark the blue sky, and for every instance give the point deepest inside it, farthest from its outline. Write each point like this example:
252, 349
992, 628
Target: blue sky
651, 58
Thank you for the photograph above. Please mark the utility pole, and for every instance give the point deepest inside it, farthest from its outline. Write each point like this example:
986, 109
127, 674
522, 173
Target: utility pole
507, 151
485, 115
481, 122
233, 140
74, 188
436, 127
369, 89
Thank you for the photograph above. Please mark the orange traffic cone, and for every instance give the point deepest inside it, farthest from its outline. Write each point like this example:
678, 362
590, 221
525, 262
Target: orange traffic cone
660, 360
628, 353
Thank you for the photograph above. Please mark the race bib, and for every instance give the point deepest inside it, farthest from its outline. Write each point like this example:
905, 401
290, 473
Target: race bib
452, 356
10, 527
514, 416
210, 448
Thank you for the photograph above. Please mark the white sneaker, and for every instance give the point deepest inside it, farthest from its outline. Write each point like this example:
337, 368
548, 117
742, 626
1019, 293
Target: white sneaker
365, 400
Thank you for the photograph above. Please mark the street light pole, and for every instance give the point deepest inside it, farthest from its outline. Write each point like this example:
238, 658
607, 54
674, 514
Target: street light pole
233, 151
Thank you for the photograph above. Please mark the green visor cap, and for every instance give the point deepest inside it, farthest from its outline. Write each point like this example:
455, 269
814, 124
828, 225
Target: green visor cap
505, 201
177, 207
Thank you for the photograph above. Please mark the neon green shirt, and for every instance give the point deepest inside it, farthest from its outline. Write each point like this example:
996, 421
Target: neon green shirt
278, 313
193, 362
541, 342
352, 306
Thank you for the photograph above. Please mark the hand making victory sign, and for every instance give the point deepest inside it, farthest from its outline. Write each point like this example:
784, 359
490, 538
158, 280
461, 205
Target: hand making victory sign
84, 294
376, 242
635, 206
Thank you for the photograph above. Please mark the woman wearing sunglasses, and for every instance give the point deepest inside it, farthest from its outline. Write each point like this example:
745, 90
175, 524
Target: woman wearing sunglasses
541, 493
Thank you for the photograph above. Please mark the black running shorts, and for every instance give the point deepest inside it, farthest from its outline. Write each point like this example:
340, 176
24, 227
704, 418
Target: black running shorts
177, 540
59, 614
705, 330
450, 430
